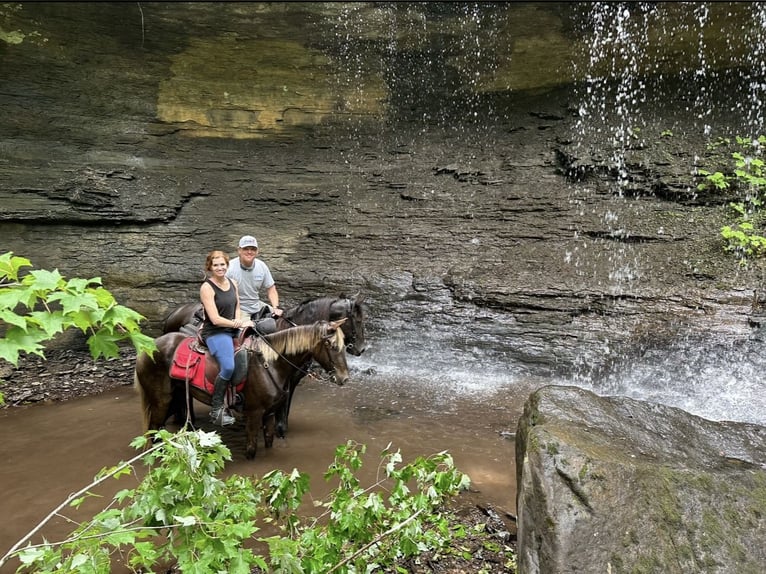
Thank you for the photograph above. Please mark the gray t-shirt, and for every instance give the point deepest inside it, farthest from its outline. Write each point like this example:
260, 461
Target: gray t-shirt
249, 282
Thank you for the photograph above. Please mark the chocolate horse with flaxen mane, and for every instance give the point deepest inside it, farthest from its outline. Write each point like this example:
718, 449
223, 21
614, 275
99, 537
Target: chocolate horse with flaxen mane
273, 362
189, 316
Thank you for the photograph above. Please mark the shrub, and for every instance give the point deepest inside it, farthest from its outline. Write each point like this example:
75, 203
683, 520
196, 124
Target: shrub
182, 514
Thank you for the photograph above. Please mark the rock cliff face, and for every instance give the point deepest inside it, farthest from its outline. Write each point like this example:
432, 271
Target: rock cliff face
434, 156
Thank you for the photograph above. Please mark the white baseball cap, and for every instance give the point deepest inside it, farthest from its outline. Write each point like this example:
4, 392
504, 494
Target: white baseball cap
248, 241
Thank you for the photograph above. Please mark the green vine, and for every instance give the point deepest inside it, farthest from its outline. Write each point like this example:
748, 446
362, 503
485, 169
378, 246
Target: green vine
744, 236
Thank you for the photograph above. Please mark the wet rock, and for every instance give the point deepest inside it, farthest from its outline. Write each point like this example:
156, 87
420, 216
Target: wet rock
63, 375
142, 159
621, 485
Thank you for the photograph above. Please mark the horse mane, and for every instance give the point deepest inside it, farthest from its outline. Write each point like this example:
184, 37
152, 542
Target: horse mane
297, 340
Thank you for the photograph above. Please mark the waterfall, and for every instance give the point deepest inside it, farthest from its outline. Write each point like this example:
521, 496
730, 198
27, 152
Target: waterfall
447, 348
623, 80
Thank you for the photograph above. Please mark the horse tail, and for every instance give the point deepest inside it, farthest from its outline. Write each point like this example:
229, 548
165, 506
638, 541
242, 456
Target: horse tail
145, 405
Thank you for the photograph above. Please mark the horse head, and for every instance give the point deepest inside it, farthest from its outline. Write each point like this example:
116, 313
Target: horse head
330, 353
353, 329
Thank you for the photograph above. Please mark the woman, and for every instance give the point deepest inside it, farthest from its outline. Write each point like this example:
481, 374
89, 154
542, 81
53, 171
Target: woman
220, 300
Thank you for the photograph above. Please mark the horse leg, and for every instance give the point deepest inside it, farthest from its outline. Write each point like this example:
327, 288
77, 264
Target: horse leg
182, 406
281, 417
178, 406
269, 423
253, 424
283, 412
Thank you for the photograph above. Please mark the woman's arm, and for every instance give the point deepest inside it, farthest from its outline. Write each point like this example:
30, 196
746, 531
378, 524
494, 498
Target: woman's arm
246, 322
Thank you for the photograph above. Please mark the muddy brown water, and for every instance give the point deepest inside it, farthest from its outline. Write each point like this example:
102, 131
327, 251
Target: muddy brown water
50, 451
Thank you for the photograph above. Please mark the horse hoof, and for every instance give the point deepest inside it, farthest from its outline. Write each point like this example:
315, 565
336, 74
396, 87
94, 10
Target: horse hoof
250, 454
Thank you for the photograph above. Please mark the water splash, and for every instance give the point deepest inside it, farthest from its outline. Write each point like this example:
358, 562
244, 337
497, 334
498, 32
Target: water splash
717, 381
440, 363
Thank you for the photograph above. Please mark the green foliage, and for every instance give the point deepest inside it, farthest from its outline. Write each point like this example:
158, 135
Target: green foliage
717, 180
720, 141
742, 237
179, 513
182, 514
361, 530
38, 305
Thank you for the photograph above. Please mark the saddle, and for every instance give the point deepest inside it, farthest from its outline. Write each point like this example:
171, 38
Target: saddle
192, 362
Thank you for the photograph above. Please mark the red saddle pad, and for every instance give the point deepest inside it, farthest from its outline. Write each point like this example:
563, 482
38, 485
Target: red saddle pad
189, 364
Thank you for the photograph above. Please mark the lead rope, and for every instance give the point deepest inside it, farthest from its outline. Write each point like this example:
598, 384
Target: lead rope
188, 421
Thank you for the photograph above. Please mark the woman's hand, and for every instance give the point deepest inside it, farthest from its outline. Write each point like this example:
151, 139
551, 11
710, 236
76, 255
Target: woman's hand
243, 323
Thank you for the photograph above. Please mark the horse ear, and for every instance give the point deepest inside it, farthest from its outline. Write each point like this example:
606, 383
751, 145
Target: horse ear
358, 298
335, 324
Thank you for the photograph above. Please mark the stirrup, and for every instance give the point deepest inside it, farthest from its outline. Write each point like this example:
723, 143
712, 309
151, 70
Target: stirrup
221, 418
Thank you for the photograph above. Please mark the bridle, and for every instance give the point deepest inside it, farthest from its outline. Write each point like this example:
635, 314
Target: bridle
249, 345
348, 311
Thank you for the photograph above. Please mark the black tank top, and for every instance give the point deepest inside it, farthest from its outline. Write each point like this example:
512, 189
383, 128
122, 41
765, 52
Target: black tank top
226, 303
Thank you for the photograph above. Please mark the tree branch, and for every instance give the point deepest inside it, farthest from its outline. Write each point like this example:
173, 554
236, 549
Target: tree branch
375, 541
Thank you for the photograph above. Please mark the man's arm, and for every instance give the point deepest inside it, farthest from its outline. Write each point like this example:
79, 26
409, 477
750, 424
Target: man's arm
273, 297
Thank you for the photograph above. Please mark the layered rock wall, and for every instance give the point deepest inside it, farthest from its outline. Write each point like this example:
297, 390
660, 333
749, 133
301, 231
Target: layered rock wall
417, 152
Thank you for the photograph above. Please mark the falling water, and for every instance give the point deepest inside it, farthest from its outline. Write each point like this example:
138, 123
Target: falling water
757, 74
714, 379
448, 348
614, 92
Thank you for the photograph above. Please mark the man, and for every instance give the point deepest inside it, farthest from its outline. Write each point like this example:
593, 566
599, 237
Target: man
251, 275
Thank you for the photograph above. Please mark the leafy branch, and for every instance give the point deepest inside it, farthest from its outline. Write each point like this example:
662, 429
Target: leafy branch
72, 499
38, 305
182, 514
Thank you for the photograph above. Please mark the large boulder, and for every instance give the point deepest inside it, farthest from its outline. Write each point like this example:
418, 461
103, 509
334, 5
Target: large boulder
608, 484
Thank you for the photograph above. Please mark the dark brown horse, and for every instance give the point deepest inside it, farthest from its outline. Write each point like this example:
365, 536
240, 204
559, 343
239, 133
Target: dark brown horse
320, 309
189, 316
273, 361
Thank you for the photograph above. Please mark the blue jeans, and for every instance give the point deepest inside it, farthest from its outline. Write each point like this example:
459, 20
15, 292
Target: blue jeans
221, 346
